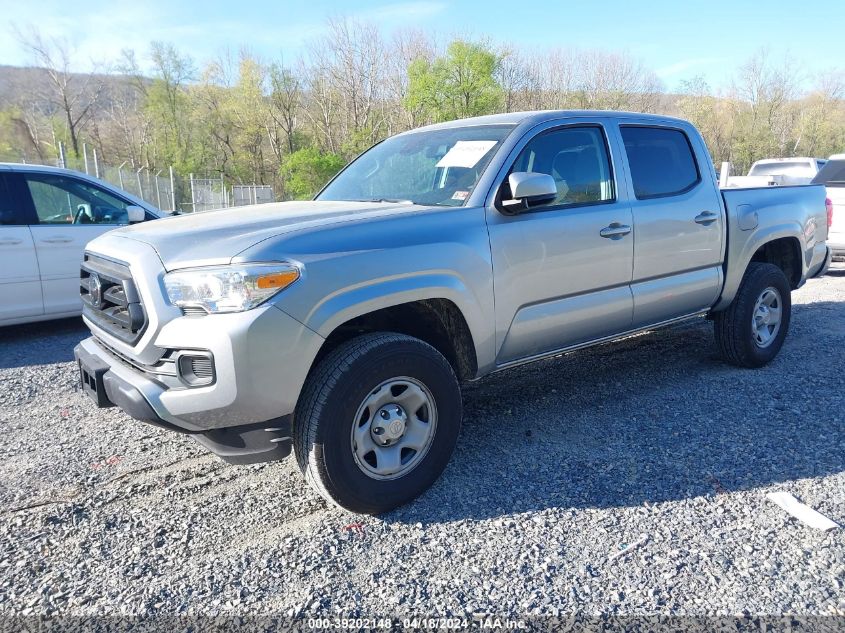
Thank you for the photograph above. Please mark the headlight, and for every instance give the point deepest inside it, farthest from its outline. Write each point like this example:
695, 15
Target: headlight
232, 288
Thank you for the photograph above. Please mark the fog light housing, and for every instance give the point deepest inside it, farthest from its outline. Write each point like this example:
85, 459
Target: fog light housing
195, 368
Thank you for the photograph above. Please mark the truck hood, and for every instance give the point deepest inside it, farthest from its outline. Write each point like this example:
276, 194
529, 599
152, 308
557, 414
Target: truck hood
216, 237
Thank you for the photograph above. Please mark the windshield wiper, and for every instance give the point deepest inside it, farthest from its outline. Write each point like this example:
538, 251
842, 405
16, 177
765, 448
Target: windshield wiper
395, 200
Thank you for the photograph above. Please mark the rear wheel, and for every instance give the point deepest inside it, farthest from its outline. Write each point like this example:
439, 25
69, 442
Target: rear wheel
751, 331
377, 422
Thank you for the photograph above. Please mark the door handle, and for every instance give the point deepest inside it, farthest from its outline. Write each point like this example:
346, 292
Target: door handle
57, 240
10, 242
615, 231
706, 218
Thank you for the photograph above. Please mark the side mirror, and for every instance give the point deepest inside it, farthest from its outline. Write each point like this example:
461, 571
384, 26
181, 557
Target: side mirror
530, 188
135, 214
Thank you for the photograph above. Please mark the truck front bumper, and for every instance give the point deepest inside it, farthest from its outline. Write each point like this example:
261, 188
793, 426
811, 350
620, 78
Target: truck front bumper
260, 360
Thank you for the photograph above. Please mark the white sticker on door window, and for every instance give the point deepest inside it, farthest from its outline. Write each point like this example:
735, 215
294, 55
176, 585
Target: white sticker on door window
465, 153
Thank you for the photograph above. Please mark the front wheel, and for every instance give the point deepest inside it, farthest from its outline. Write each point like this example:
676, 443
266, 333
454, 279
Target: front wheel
750, 332
377, 422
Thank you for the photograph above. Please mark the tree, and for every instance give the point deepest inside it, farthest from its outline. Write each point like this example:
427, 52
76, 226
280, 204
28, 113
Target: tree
307, 170
285, 103
820, 129
167, 106
513, 74
406, 47
763, 109
709, 114
460, 84
74, 95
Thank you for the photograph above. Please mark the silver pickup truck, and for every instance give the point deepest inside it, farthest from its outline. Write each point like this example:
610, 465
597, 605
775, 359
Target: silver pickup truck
343, 326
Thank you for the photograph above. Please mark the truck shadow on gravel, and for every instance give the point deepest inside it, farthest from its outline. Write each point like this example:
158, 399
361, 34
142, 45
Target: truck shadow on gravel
42, 343
652, 418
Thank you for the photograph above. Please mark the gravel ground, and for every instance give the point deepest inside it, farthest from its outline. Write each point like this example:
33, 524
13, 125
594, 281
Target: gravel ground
650, 442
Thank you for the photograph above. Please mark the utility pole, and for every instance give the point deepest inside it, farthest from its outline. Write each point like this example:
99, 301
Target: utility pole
158, 191
120, 174
172, 191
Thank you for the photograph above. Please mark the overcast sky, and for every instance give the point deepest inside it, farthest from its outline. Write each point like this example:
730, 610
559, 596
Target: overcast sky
678, 39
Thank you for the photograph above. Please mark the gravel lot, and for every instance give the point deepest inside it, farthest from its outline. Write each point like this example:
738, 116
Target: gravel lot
561, 465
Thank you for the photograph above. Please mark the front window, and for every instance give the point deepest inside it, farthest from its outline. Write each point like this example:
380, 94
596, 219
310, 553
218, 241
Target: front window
437, 167
577, 159
60, 199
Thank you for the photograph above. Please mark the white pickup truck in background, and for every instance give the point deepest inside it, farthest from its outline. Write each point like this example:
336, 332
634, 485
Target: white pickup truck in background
769, 172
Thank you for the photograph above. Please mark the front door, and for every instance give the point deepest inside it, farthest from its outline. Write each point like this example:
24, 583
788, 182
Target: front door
562, 270
71, 212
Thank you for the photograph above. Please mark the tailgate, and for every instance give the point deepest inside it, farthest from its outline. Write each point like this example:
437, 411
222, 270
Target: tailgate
837, 229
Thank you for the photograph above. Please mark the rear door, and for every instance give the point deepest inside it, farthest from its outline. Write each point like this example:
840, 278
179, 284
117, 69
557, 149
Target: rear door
678, 221
70, 213
20, 286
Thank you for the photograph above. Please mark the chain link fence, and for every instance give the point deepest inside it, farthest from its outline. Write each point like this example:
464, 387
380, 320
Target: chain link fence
164, 188
252, 194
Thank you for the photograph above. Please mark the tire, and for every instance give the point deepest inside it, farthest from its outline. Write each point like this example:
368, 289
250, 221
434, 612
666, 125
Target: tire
752, 341
350, 395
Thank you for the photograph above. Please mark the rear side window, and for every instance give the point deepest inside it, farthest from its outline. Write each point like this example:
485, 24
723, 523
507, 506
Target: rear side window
832, 174
8, 207
661, 161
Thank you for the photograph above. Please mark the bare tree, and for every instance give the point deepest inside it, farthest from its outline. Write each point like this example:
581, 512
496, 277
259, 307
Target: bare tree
75, 95
616, 81
763, 98
406, 47
514, 76
349, 74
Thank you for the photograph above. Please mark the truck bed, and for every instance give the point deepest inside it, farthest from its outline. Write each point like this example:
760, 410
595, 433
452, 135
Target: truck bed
761, 214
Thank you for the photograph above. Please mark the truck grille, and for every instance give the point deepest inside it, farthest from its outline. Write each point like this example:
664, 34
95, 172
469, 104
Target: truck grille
110, 299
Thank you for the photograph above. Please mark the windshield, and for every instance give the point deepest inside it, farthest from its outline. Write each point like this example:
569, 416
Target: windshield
782, 168
438, 167
832, 174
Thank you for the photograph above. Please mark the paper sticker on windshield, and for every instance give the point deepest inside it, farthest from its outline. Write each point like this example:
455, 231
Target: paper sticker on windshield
465, 153
460, 195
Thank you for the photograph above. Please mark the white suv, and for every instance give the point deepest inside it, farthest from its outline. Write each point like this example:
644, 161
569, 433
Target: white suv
47, 216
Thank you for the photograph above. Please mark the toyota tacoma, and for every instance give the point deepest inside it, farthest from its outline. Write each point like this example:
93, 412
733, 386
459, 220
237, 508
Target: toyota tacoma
341, 328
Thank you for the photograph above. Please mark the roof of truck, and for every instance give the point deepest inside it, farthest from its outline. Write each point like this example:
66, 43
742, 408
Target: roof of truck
539, 116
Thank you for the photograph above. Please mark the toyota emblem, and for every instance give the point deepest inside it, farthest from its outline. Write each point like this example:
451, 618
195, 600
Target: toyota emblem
95, 290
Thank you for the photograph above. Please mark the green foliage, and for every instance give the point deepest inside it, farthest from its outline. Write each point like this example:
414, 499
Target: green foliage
8, 134
358, 142
167, 106
307, 170
460, 84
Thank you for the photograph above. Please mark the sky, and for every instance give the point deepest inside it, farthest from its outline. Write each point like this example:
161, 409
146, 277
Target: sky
677, 39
